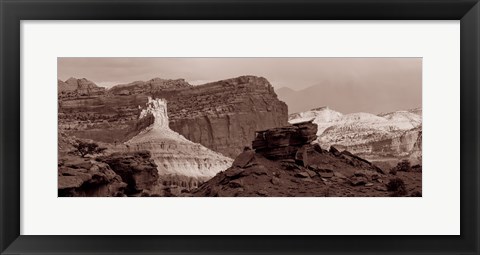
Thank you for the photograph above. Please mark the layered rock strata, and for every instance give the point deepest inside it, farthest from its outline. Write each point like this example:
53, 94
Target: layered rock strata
284, 142
151, 86
390, 135
174, 155
222, 116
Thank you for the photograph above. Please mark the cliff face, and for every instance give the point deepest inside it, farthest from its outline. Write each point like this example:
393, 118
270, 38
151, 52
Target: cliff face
150, 86
402, 144
173, 154
222, 116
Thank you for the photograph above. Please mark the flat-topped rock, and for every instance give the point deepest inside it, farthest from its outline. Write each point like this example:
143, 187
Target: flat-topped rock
285, 142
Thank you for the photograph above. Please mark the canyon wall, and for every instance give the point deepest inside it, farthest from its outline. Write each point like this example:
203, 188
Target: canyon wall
222, 116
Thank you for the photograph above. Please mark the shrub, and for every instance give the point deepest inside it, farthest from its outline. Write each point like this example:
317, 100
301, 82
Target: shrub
417, 168
397, 186
85, 148
404, 165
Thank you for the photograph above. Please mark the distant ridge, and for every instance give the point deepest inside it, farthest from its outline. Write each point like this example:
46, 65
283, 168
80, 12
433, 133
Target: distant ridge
388, 134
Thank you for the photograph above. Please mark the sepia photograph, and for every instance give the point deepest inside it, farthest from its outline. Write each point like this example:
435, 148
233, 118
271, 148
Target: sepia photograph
239, 127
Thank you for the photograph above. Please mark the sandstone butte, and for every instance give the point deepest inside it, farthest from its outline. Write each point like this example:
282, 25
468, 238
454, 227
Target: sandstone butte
222, 116
175, 156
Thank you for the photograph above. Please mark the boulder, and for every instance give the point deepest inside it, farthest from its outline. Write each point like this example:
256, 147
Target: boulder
334, 151
244, 158
324, 170
339, 175
258, 170
317, 148
235, 184
279, 137
311, 173
358, 181
275, 180
301, 157
286, 142
306, 132
326, 174
262, 193
302, 175
235, 172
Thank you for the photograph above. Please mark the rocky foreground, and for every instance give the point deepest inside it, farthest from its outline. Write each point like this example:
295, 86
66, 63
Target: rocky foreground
119, 174
283, 162
128, 174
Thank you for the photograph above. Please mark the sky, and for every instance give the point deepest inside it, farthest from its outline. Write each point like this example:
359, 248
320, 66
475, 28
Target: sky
383, 76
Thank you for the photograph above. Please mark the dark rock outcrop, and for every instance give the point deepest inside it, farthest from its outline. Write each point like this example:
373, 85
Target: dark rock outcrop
118, 174
137, 169
82, 177
285, 142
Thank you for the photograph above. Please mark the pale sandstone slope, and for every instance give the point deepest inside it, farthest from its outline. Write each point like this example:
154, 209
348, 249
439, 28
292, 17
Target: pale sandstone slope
172, 152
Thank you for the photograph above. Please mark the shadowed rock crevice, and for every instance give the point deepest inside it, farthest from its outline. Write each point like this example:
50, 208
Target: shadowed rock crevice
137, 169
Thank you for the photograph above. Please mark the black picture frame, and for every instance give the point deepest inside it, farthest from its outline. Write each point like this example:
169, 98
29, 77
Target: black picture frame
13, 11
